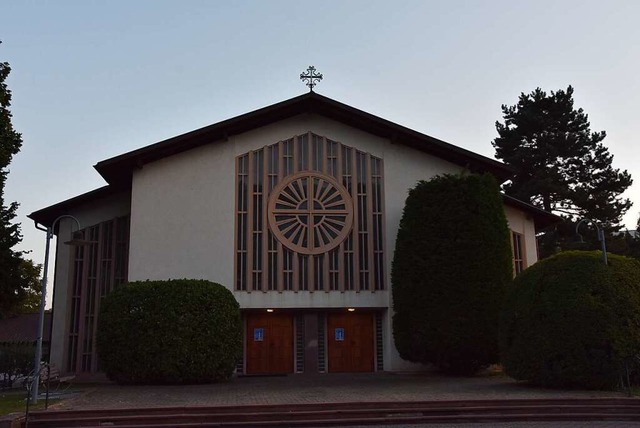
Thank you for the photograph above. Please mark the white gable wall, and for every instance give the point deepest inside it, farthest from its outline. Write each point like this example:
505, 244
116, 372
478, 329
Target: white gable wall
182, 213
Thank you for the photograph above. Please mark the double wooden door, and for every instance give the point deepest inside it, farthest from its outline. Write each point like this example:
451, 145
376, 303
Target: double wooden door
269, 343
350, 342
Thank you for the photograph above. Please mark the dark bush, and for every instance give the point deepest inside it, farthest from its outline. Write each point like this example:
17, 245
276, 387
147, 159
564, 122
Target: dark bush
176, 331
16, 358
570, 321
451, 267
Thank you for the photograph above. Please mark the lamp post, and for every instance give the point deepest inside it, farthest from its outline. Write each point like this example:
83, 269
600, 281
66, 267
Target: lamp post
49, 230
600, 233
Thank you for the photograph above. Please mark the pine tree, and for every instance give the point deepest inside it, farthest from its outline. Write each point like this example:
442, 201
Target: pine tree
560, 164
18, 277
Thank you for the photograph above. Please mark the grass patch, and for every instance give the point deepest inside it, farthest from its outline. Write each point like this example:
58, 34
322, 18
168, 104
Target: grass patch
635, 391
15, 402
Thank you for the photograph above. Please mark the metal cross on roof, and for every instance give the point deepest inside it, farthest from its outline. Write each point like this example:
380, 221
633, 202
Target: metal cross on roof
311, 77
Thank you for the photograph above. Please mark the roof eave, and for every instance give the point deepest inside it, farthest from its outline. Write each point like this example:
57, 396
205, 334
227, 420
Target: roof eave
46, 216
541, 218
112, 169
118, 170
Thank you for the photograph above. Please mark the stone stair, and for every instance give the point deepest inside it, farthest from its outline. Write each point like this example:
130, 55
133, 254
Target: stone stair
343, 414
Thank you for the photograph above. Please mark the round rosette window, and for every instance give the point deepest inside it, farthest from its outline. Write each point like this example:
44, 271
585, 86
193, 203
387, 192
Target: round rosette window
310, 213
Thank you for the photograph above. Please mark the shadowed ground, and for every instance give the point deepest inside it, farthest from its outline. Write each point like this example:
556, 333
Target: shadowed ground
297, 389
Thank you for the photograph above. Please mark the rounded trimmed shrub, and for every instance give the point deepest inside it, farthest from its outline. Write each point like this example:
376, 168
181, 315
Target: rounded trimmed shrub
570, 321
451, 267
175, 331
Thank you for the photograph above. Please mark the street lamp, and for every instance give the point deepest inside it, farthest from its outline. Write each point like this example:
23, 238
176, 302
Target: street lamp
49, 230
600, 233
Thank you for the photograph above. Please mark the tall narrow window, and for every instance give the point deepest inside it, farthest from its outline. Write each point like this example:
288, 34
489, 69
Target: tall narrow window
257, 223
98, 268
76, 295
309, 217
378, 224
242, 208
363, 215
518, 252
90, 299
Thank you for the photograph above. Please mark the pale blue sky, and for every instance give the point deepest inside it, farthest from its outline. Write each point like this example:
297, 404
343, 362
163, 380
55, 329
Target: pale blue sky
94, 79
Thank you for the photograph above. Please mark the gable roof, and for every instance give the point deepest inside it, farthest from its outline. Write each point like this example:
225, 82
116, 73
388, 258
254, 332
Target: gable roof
118, 170
46, 216
24, 328
541, 218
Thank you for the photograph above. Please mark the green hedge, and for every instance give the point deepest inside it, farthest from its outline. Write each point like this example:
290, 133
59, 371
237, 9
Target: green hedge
451, 267
176, 331
570, 321
16, 358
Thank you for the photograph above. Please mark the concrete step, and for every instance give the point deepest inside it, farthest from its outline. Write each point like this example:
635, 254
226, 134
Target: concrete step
328, 414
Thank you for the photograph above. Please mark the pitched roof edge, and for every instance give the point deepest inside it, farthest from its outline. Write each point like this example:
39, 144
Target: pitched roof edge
118, 169
541, 217
46, 216
494, 166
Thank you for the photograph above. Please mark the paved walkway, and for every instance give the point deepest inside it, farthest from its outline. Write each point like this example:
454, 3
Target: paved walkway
302, 389
581, 424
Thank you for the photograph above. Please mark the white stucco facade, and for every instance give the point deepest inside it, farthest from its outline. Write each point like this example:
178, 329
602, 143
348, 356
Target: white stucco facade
88, 214
182, 210
182, 221
182, 215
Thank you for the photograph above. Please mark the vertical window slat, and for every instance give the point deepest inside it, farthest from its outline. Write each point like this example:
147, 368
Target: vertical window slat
358, 209
517, 246
264, 263
98, 268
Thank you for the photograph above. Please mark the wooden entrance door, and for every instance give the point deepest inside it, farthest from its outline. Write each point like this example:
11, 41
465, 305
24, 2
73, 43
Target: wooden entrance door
350, 342
269, 343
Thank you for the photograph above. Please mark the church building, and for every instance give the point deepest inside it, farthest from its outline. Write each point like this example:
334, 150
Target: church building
294, 207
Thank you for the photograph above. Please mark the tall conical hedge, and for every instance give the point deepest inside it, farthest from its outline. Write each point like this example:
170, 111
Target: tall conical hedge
451, 267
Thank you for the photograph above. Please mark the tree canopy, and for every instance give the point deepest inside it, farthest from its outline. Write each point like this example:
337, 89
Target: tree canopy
561, 166
18, 277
